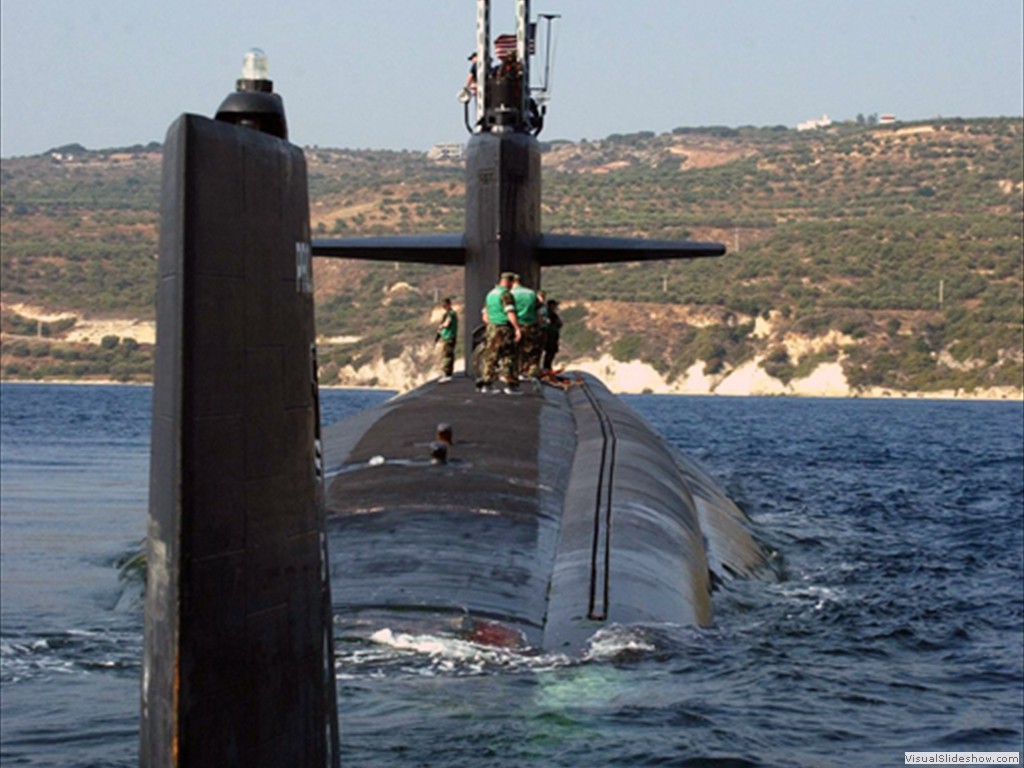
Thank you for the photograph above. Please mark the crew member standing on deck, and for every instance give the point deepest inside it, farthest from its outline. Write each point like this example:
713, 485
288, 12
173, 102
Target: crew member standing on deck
499, 312
552, 330
447, 332
526, 313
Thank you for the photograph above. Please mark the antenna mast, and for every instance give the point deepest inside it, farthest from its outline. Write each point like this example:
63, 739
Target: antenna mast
542, 96
523, 53
483, 58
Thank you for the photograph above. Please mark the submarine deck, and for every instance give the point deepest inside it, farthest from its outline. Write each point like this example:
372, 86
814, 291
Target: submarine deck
557, 512
476, 535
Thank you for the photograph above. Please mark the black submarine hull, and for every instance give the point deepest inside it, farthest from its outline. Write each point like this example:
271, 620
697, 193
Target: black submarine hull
558, 512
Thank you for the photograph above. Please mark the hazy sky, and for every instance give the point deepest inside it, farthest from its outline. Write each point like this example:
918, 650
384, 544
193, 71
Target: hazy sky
384, 73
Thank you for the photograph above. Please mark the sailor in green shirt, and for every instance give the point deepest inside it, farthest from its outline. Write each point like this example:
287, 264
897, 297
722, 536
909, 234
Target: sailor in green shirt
526, 312
503, 333
447, 333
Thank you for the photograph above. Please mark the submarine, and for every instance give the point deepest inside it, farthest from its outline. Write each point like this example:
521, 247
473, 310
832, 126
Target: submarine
529, 522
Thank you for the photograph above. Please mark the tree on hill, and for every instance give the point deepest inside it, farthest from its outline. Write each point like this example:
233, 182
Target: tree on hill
849, 232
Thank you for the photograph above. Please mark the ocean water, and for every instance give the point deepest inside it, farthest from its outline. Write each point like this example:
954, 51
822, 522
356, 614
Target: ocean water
896, 622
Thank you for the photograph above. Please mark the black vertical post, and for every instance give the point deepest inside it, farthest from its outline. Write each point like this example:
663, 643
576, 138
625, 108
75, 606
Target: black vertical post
238, 658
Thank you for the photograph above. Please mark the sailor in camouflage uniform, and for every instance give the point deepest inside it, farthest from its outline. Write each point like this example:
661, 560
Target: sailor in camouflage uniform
530, 347
499, 312
447, 332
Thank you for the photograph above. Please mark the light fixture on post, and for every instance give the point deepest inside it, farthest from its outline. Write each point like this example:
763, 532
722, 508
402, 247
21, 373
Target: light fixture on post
254, 103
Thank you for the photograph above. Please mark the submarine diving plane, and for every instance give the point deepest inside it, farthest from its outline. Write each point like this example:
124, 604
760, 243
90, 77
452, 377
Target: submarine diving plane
555, 514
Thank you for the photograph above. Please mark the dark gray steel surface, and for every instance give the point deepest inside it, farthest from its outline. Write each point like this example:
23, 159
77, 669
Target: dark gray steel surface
238, 663
446, 249
477, 532
557, 514
502, 217
561, 250
261, 110
641, 557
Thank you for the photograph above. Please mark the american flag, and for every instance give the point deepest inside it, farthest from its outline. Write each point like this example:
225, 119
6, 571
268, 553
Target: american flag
505, 45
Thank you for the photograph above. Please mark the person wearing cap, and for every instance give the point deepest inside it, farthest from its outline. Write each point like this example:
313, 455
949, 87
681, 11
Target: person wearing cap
447, 332
552, 329
503, 333
526, 313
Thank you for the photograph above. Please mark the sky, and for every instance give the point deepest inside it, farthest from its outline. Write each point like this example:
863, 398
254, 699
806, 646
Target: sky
385, 73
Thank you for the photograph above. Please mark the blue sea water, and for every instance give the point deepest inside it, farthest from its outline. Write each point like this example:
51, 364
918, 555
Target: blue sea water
897, 623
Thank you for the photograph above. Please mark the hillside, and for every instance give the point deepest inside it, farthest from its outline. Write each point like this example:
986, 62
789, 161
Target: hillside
889, 257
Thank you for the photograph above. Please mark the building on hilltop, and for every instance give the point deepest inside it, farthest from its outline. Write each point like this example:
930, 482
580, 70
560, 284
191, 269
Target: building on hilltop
810, 125
440, 152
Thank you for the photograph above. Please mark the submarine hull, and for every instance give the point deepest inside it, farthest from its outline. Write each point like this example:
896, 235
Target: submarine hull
557, 513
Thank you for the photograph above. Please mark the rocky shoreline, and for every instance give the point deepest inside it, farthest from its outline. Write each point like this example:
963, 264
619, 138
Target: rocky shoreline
823, 383
415, 364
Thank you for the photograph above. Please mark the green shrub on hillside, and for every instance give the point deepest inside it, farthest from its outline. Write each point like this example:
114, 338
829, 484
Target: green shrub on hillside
852, 230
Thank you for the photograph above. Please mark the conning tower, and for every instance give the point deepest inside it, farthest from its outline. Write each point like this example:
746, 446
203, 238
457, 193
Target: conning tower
503, 192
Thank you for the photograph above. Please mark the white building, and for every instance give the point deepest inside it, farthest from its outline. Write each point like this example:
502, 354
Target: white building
445, 152
810, 125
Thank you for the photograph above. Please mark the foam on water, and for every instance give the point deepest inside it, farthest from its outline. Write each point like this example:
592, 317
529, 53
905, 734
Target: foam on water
72, 652
452, 655
616, 642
